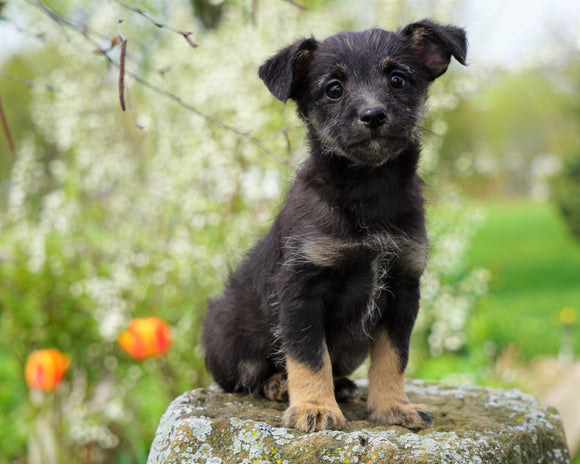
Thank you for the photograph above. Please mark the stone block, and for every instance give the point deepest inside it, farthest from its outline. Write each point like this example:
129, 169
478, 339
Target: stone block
472, 425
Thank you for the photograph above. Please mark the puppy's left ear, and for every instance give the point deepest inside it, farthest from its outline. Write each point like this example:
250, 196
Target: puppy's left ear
435, 44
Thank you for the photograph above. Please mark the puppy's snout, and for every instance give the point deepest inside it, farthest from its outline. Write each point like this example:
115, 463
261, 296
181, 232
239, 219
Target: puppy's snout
373, 117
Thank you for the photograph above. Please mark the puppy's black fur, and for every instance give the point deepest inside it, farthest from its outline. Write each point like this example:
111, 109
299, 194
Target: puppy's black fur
337, 276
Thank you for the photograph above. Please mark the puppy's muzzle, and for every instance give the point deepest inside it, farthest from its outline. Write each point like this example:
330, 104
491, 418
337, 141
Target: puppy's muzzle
373, 117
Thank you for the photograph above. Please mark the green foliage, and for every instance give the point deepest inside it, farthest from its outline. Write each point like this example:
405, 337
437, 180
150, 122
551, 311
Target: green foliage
512, 131
208, 12
566, 186
566, 189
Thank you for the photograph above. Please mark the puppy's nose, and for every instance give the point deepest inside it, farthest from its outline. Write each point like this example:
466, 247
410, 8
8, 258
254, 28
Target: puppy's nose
373, 117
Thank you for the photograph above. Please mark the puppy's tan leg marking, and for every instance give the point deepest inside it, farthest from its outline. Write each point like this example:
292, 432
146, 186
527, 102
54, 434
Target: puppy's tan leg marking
387, 401
312, 403
276, 387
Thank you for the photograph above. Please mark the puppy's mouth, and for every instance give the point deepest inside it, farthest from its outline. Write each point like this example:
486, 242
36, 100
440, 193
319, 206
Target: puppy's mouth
376, 150
371, 148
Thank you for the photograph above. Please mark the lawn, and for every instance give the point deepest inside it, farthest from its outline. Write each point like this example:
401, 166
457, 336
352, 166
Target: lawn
535, 274
535, 266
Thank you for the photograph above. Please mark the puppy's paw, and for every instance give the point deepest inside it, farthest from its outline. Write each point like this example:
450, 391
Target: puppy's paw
411, 416
345, 390
276, 387
311, 417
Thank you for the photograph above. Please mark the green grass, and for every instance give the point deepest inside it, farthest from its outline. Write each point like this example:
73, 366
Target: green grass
535, 267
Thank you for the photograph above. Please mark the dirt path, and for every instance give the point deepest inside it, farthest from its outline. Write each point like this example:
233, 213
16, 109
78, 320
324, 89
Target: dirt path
565, 397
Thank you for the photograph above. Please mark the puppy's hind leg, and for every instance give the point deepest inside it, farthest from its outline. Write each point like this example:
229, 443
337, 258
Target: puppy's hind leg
276, 387
345, 390
235, 345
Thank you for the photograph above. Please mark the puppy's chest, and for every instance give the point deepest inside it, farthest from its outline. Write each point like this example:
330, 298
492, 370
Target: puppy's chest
379, 251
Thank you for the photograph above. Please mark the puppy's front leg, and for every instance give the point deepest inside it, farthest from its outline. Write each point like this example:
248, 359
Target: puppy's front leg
312, 402
387, 401
313, 405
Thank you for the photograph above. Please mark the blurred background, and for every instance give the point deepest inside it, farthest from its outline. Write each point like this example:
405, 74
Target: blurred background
108, 217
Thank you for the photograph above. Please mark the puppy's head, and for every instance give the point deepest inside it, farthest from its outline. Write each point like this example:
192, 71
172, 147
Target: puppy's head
362, 93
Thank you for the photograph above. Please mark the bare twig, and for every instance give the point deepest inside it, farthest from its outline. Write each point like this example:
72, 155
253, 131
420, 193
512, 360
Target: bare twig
297, 5
26, 82
254, 10
184, 34
188, 39
122, 73
6, 128
254, 13
37, 36
121, 58
64, 23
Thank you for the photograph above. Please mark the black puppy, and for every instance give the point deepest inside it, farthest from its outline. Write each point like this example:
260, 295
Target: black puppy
337, 276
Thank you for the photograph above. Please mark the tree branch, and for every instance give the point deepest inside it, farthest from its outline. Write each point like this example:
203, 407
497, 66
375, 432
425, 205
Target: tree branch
297, 5
6, 129
26, 82
139, 11
121, 58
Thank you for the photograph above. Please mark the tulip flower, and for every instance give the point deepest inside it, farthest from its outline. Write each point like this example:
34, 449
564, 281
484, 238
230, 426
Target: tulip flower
46, 368
146, 337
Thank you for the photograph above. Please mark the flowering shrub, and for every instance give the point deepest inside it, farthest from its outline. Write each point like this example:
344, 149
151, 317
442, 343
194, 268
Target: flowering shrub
119, 215
449, 289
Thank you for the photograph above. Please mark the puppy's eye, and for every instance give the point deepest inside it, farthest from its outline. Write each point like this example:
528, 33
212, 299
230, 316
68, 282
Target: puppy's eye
334, 90
397, 80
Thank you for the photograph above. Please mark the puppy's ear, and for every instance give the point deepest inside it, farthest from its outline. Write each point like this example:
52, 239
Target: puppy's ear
435, 44
283, 72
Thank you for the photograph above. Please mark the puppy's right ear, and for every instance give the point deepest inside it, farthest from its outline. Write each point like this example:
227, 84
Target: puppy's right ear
283, 72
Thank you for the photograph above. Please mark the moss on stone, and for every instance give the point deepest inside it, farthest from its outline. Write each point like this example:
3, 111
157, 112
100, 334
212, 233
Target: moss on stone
472, 425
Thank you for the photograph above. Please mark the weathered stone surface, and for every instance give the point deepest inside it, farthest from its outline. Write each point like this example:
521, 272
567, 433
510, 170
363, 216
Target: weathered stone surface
472, 425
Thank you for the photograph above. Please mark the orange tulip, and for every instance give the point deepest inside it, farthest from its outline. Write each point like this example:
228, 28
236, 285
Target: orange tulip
45, 369
146, 337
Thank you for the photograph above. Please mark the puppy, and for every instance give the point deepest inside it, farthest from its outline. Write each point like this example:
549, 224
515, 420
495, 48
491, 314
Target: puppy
337, 276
